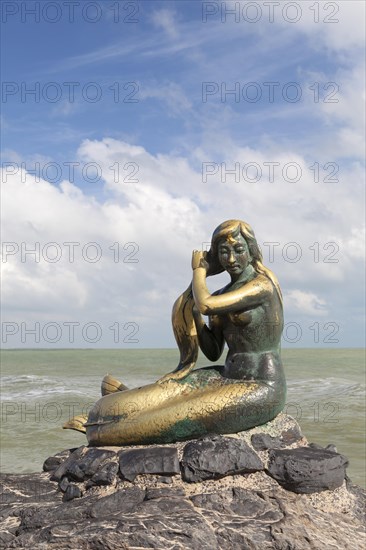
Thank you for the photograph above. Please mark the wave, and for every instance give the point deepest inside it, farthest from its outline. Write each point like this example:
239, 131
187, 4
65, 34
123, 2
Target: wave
40, 393
327, 387
24, 378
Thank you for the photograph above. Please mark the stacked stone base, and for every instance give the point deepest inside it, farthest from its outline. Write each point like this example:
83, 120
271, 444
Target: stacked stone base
264, 488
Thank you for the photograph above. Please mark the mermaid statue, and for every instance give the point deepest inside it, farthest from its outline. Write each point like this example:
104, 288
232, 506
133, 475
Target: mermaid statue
247, 391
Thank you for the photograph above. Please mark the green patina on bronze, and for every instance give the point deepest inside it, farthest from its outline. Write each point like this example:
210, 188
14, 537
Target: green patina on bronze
182, 430
248, 390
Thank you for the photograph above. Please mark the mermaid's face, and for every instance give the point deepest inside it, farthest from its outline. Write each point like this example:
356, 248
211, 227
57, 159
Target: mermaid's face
234, 255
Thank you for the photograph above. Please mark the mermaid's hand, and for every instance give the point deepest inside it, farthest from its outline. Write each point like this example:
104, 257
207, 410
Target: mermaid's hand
199, 260
177, 375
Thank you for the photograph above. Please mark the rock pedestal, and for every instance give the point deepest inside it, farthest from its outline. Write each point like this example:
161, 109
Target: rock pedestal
263, 488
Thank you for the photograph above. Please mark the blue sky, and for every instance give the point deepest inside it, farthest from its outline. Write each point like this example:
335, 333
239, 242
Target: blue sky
149, 81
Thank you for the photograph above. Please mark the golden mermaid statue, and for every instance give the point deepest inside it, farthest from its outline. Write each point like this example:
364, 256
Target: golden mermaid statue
247, 391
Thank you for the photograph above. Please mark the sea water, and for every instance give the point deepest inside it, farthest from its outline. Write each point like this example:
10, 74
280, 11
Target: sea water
41, 389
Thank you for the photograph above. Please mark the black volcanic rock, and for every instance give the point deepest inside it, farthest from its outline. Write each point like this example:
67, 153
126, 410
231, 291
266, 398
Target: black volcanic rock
217, 456
251, 511
74, 472
239, 502
63, 484
60, 472
93, 459
82, 464
149, 460
307, 469
72, 491
53, 462
263, 441
106, 475
291, 435
118, 503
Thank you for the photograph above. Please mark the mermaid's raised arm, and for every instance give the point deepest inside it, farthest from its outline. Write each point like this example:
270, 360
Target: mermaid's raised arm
250, 294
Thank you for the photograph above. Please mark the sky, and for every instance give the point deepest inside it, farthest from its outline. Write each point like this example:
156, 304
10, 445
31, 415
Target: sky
131, 129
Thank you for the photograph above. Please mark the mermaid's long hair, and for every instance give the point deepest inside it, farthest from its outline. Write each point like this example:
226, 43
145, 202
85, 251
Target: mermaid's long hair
182, 315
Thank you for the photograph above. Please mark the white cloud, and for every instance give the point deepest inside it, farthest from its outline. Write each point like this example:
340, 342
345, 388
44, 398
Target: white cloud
48, 289
150, 226
159, 220
338, 27
304, 303
166, 20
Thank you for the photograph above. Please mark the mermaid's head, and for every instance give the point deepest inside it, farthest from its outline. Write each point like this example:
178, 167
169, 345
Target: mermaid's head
229, 231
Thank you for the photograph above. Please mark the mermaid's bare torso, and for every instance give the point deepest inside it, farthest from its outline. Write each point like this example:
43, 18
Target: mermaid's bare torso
253, 337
